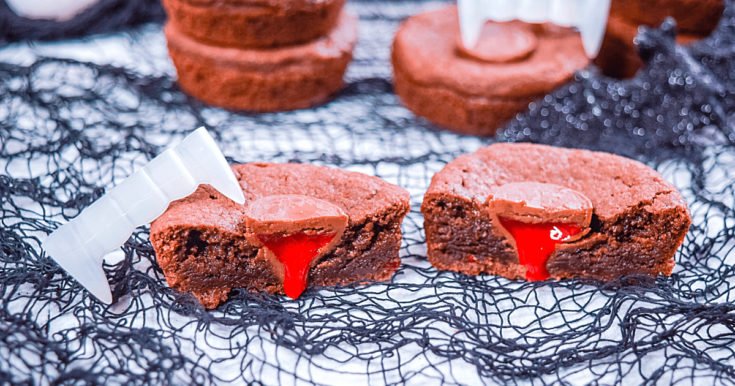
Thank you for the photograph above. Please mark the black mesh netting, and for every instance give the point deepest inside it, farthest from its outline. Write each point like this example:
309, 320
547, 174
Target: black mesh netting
69, 130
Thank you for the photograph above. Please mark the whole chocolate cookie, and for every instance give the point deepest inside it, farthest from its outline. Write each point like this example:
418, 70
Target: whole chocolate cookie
253, 24
300, 225
274, 79
533, 211
475, 91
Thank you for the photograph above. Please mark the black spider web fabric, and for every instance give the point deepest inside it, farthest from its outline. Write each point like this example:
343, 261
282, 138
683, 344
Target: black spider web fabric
71, 130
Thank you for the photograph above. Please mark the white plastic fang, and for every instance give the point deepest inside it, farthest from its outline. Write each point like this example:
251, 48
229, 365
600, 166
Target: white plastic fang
588, 16
80, 245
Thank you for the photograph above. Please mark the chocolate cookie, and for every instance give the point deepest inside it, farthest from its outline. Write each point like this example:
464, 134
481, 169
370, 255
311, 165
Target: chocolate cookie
533, 212
300, 225
285, 78
693, 17
475, 91
618, 55
253, 24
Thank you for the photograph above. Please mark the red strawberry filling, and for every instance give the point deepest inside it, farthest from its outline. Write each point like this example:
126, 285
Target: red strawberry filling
536, 243
295, 252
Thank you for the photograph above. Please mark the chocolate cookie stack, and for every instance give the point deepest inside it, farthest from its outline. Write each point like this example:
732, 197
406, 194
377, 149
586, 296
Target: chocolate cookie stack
618, 57
265, 55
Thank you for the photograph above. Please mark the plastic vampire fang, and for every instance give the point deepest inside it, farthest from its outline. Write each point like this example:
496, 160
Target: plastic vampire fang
80, 245
588, 16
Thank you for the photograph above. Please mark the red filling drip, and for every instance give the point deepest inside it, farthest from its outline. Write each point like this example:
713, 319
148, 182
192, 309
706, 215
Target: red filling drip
536, 242
295, 252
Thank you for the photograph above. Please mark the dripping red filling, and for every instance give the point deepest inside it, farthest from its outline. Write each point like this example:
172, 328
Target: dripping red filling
295, 252
536, 242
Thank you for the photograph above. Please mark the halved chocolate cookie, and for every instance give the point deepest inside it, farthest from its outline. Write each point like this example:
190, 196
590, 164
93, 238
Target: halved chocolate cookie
533, 212
301, 225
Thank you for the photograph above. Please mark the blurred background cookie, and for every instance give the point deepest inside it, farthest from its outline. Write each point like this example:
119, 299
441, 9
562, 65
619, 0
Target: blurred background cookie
51, 20
618, 57
475, 91
269, 56
281, 78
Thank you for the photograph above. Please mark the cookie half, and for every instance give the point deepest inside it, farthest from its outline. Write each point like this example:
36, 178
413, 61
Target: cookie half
594, 215
301, 225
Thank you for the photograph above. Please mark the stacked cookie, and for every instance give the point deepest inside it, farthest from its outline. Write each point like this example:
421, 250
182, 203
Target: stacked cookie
268, 55
618, 57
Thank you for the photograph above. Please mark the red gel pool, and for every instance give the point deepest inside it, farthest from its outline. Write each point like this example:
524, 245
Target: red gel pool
536, 242
295, 252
